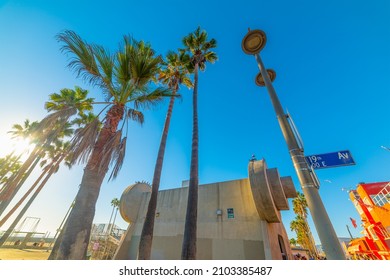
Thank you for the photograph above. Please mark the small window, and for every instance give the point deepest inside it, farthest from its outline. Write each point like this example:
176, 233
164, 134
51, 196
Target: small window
230, 213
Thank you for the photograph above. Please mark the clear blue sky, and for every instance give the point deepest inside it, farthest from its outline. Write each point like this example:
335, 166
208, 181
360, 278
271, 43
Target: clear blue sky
332, 60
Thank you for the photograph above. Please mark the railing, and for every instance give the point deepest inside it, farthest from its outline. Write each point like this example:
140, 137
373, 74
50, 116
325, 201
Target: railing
383, 197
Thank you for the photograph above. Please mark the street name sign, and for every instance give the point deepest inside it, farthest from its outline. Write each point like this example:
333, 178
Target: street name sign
328, 160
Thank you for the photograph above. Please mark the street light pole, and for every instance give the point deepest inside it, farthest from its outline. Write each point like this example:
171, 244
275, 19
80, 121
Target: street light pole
252, 43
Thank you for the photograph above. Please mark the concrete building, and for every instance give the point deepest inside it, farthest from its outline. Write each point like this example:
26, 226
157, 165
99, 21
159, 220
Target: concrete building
237, 219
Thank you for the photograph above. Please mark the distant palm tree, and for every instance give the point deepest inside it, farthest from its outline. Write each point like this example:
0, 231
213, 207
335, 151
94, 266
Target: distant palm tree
9, 165
300, 205
16, 180
124, 79
115, 202
199, 48
115, 206
57, 156
173, 74
301, 226
293, 241
57, 125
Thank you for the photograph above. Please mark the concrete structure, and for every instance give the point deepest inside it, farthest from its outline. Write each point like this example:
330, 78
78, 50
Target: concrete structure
237, 219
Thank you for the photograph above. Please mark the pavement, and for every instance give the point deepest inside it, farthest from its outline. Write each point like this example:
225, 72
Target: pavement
23, 254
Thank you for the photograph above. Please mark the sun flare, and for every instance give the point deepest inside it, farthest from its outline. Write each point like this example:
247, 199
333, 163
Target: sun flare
15, 146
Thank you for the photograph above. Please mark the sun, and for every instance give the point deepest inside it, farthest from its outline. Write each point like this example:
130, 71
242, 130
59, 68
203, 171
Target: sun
15, 146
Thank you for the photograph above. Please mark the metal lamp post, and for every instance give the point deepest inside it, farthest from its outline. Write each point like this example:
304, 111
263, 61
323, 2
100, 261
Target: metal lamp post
252, 44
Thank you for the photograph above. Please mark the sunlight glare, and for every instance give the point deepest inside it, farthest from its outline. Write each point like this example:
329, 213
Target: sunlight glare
17, 146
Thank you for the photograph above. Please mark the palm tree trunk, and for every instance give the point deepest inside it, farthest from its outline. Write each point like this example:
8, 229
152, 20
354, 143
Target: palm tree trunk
109, 222
189, 240
25, 208
17, 205
145, 245
76, 234
10, 166
108, 231
58, 239
10, 192
15, 179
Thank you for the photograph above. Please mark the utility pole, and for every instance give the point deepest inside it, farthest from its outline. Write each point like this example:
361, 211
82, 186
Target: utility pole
252, 44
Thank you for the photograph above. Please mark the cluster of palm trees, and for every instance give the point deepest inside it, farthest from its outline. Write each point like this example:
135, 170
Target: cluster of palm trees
68, 111
129, 81
301, 226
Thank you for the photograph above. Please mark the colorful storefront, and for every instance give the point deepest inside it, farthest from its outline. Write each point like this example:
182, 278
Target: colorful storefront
372, 202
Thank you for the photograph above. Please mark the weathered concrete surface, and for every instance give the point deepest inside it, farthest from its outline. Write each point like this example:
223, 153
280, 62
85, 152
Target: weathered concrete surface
261, 191
222, 234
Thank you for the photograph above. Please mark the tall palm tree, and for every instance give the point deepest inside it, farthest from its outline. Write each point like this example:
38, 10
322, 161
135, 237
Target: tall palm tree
300, 227
300, 205
199, 48
53, 127
112, 214
115, 206
300, 209
115, 202
57, 156
56, 125
174, 73
124, 79
25, 131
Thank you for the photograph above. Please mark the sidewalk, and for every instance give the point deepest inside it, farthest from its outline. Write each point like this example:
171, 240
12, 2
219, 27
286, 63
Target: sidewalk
25, 254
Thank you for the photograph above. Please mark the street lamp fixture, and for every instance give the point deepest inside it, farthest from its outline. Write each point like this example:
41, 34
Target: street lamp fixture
253, 42
259, 80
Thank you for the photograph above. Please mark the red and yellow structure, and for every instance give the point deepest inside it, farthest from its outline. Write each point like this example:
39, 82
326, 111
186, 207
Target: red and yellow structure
372, 202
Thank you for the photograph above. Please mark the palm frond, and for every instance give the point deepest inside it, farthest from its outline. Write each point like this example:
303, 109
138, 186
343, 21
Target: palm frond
187, 82
83, 142
210, 57
150, 99
83, 62
135, 115
118, 158
108, 152
49, 121
105, 65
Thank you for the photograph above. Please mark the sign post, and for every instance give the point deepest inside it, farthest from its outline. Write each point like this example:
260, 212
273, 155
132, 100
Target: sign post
252, 44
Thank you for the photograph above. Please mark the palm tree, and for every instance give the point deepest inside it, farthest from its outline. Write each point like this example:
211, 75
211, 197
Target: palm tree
56, 125
124, 79
293, 241
57, 156
199, 48
16, 180
115, 206
300, 208
112, 214
174, 73
300, 205
9, 165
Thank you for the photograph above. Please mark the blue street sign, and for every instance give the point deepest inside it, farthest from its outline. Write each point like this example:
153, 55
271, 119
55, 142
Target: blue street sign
335, 159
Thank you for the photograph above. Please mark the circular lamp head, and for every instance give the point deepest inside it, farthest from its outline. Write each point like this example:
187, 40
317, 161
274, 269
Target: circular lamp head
253, 42
260, 80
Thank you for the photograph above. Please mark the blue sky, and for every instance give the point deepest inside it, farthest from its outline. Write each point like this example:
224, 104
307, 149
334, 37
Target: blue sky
332, 62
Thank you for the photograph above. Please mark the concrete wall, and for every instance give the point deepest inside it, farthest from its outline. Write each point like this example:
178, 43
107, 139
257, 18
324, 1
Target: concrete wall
244, 236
